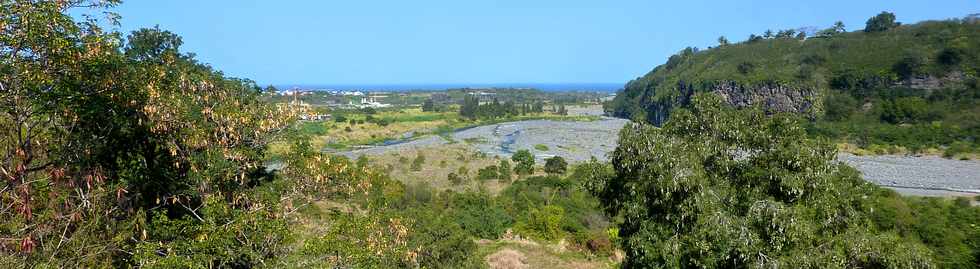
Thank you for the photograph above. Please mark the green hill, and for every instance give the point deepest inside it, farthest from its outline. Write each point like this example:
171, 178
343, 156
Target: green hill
903, 85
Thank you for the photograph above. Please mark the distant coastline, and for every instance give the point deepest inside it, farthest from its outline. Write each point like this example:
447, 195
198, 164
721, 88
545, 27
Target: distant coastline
550, 87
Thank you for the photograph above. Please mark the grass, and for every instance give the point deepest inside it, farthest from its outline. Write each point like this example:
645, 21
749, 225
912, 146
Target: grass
541, 147
332, 135
537, 255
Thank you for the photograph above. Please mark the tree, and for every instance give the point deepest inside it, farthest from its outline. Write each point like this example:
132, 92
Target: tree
525, 162
271, 90
754, 38
555, 165
469, 107
722, 41
839, 27
505, 174
428, 106
768, 34
418, 162
719, 187
839, 106
881, 22
488, 173
454, 179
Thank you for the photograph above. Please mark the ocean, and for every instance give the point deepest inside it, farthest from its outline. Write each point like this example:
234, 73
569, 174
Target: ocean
551, 87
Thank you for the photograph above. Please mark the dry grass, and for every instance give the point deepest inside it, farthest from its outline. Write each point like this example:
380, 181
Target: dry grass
441, 160
509, 254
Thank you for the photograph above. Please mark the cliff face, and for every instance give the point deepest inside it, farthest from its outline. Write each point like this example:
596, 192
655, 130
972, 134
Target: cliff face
792, 75
770, 97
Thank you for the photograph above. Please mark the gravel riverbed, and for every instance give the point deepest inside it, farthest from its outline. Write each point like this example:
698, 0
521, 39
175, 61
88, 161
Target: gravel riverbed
578, 141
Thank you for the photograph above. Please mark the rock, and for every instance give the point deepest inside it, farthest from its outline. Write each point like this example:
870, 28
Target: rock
772, 97
929, 82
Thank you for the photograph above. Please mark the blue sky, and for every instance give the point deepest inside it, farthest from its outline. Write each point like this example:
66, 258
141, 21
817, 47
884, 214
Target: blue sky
455, 41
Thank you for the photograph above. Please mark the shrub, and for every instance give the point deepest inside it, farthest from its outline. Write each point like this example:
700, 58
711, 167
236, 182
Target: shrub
525, 162
479, 215
881, 22
541, 147
957, 148
839, 106
454, 179
418, 162
543, 223
505, 172
686, 197
555, 165
488, 173
903, 110
745, 68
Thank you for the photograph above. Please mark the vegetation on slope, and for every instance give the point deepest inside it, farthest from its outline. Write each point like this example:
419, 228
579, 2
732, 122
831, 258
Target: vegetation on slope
900, 79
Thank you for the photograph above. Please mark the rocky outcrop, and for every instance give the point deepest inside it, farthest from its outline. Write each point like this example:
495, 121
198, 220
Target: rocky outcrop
771, 97
929, 82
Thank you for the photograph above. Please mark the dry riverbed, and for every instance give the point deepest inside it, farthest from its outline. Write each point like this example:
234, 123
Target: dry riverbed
578, 141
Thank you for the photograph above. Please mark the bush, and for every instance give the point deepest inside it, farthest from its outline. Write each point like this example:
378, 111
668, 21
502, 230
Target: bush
479, 215
418, 162
745, 68
541, 147
555, 165
839, 106
687, 198
957, 148
454, 179
881, 22
505, 172
525, 162
488, 173
903, 110
543, 223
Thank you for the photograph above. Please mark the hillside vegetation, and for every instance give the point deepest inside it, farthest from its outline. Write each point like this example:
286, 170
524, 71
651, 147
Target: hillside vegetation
895, 85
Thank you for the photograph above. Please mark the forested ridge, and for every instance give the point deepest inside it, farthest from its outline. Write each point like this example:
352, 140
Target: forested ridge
884, 86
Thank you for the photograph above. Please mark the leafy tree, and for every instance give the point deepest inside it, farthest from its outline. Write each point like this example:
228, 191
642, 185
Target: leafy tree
839, 106
839, 27
881, 22
745, 68
428, 106
454, 179
525, 162
555, 165
910, 65
488, 173
722, 41
505, 173
717, 187
418, 162
903, 110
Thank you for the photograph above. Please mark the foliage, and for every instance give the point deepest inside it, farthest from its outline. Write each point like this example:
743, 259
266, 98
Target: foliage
932, 60
947, 226
541, 147
488, 173
718, 187
139, 151
555, 165
838, 106
544, 223
479, 214
881, 22
525, 162
418, 162
505, 173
